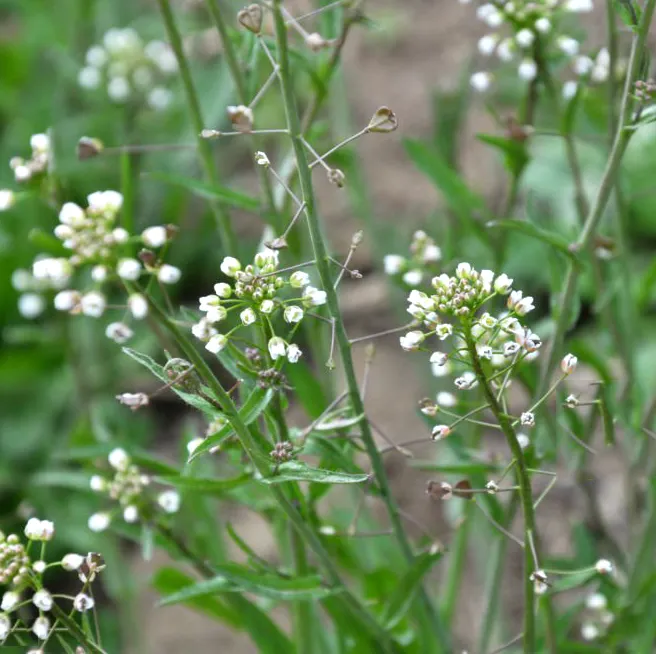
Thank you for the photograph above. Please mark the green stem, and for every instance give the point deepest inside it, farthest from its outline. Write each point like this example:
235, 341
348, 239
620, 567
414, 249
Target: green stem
428, 617
595, 214
220, 212
75, 629
525, 493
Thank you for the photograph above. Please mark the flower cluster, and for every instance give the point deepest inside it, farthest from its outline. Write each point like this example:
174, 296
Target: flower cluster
255, 294
24, 579
534, 25
597, 617
37, 164
128, 488
423, 254
128, 68
96, 241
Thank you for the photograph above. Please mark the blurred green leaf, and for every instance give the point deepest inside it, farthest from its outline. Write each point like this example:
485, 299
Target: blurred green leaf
208, 191
299, 471
205, 484
606, 416
515, 154
47, 243
307, 388
573, 580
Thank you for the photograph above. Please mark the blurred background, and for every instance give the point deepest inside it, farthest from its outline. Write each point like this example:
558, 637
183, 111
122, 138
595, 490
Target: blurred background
58, 377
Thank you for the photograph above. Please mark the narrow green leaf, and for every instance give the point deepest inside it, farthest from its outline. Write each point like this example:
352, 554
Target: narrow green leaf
307, 388
208, 191
192, 399
204, 484
408, 585
571, 581
514, 152
47, 243
456, 468
299, 471
71, 479
550, 238
606, 416
91, 452
250, 411
645, 289
628, 11
233, 578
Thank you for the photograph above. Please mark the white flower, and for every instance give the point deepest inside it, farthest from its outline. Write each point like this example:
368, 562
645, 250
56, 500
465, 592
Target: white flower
543, 25
525, 38
466, 382
129, 269
487, 44
444, 330
105, 202
7, 199
412, 340
223, 290
41, 627
492, 487
568, 45
431, 254
583, 65
293, 353
83, 602
527, 70
22, 280
539, 579
154, 237
570, 87
138, 306
596, 602
484, 352
22, 173
56, 271
168, 274
440, 431
439, 358
481, 81
42, 530
5, 627
601, 68
267, 306
603, 567
72, 562
393, 264
503, 284
277, 347
9, 601
142, 78
97, 483
39, 567
216, 343
133, 400
96, 56
98, 522
119, 459
527, 419
230, 266
463, 270
99, 273
506, 50
589, 631
241, 117
169, 501
118, 89
42, 599
203, 330
293, 314
486, 278
446, 399
519, 304
568, 364
413, 277
89, 77
120, 235
40, 143
299, 279
194, 444
219, 313
314, 297
523, 440
118, 332
261, 159
31, 305
578, 6
130, 514
159, 98
248, 316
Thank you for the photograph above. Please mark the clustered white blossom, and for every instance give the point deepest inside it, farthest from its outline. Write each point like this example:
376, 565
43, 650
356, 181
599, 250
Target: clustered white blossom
129, 69
531, 23
254, 293
423, 253
597, 617
96, 241
127, 487
37, 164
23, 578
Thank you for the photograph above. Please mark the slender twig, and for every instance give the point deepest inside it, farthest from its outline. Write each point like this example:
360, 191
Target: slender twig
386, 332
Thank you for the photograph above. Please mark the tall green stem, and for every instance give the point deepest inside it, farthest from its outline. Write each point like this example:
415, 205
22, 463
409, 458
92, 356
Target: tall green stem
429, 619
591, 224
220, 212
525, 493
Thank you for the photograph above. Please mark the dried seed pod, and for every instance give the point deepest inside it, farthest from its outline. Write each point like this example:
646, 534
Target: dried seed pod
88, 148
250, 18
383, 121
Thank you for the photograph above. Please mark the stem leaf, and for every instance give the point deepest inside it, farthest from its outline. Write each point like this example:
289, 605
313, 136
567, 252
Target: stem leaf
204, 484
299, 471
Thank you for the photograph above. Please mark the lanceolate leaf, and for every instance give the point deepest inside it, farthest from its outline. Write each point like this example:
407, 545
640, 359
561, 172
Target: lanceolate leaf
299, 471
606, 416
204, 484
402, 598
208, 191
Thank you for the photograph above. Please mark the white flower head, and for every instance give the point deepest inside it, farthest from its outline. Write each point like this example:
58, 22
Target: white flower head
570, 87
130, 514
578, 6
603, 567
440, 431
596, 602
543, 25
159, 98
118, 332
539, 579
527, 70
223, 290
168, 274
293, 353
169, 501
582, 65
431, 254
506, 50
527, 419
83, 602
261, 159
443, 331
203, 330
120, 235
313, 297
5, 627
99, 522
42, 599
118, 89
446, 399
525, 38
97, 483
154, 237
589, 631
248, 316
41, 628
492, 487
413, 277
299, 279
138, 306
119, 459
89, 78
481, 81
568, 45
31, 305
72, 562
412, 340
503, 284
7, 199
230, 266
267, 306
93, 304
39, 567
568, 364
277, 347
293, 314
466, 381
439, 359
216, 343
484, 352
10, 600
40, 530
487, 44
523, 440
393, 264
